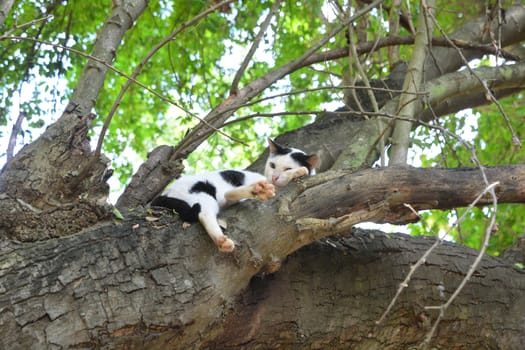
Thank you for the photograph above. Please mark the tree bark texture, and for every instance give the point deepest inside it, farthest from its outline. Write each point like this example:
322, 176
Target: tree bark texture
52, 180
145, 283
57, 177
330, 294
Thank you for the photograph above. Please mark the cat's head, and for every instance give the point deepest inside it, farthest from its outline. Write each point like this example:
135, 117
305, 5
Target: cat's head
282, 159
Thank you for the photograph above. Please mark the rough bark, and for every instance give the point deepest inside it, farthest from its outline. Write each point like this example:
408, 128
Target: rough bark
57, 177
447, 59
123, 15
147, 284
52, 180
329, 295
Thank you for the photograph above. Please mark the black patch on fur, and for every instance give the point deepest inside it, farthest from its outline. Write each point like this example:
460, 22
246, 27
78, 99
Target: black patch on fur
205, 187
302, 159
186, 213
233, 177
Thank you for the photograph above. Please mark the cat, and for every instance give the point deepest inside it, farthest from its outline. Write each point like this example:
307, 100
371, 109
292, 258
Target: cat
199, 198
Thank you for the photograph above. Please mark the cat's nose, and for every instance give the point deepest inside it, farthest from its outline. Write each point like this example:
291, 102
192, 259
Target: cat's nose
275, 178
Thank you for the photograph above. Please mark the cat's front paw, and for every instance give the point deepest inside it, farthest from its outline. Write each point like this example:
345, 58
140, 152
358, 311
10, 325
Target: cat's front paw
302, 171
225, 244
288, 175
263, 190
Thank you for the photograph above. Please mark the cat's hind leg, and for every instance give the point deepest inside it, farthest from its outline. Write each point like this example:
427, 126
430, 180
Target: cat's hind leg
261, 190
208, 219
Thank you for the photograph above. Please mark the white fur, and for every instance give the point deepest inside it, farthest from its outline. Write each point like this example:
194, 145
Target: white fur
285, 168
279, 171
179, 189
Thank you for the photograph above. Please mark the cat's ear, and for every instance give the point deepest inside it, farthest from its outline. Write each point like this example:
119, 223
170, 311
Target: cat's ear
274, 146
313, 161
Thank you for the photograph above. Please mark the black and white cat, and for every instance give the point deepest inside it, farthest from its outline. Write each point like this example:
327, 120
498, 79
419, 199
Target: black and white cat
200, 197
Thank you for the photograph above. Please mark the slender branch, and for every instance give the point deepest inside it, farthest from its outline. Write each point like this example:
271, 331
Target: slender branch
14, 133
141, 65
413, 81
116, 70
25, 25
506, 80
264, 26
490, 228
370, 93
302, 91
489, 189
488, 231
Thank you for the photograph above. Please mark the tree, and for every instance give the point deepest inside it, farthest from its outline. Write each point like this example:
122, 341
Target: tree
75, 276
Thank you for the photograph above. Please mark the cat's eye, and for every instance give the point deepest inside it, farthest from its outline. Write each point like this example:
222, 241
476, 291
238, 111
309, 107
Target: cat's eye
272, 165
287, 169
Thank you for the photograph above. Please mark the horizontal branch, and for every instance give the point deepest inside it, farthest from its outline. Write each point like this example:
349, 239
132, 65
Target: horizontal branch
392, 187
119, 282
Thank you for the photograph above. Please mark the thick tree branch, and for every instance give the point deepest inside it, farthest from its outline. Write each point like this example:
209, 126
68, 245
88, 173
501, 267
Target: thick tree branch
329, 295
446, 59
90, 83
467, 37
455, 104
58, 173
108, 282
361, 193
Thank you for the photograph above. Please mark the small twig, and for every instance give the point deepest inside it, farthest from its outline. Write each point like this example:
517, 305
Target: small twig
270, 115
488, 189
361, 73
264, 26
25, 25
475, 264
320, 88
14, 133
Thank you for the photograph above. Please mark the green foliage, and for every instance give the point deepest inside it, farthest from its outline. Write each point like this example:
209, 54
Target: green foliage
39, 67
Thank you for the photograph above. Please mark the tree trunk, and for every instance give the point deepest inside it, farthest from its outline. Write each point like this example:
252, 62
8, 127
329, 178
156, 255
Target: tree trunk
330, 294
145, 283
